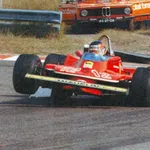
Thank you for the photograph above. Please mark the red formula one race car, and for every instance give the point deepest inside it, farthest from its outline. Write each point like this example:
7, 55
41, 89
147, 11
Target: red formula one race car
85, 73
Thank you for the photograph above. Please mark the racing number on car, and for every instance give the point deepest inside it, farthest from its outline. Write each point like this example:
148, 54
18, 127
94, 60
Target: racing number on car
96, 74
103, 75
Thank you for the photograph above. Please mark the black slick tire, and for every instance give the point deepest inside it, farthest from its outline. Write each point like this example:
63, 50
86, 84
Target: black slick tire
26, 63
59, 96
140, 87
52, 59
55, 59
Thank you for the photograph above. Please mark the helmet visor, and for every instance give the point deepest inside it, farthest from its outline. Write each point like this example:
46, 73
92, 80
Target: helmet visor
94, 48
98, 49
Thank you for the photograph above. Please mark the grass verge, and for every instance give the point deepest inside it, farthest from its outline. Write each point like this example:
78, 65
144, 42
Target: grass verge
32, 4
137, 41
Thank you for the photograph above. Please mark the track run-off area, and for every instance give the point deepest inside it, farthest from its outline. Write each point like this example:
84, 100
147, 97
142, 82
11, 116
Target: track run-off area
28, 123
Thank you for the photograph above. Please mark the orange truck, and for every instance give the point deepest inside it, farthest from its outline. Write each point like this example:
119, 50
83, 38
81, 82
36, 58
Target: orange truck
132, 14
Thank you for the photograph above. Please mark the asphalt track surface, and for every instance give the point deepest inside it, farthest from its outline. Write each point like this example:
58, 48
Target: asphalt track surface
29, 124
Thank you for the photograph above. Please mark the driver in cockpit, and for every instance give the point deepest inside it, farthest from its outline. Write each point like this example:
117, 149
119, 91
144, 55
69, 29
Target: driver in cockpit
97, 52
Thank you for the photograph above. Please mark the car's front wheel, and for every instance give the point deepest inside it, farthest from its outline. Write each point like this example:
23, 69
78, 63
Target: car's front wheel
59, 96
26, 63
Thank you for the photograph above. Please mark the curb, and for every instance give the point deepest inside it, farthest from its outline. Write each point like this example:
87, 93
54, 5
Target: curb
14, 57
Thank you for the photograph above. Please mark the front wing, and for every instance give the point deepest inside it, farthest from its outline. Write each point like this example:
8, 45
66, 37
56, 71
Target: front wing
79, 83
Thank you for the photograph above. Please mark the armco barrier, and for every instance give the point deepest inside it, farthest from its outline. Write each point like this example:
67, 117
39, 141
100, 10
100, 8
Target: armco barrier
42, 16
130, 57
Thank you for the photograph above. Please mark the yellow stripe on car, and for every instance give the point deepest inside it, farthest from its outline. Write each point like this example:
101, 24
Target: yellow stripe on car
78, 83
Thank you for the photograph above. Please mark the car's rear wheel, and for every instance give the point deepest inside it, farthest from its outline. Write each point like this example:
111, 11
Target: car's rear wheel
140, 87
26, 63
55, 59
52, 59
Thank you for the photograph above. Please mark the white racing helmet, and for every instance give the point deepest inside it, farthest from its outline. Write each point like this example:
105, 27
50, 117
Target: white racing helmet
97, 47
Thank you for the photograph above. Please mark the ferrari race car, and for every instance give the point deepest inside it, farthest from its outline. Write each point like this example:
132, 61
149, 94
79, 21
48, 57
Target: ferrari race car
68, 75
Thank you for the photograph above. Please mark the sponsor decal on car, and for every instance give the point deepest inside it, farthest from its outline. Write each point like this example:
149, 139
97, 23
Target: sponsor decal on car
141, 6
88, 64
70, 69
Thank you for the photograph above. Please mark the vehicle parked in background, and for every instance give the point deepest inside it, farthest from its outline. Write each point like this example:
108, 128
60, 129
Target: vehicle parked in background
132, 14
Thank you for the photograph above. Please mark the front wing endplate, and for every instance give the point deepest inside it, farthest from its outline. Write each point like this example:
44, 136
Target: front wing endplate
78, 83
